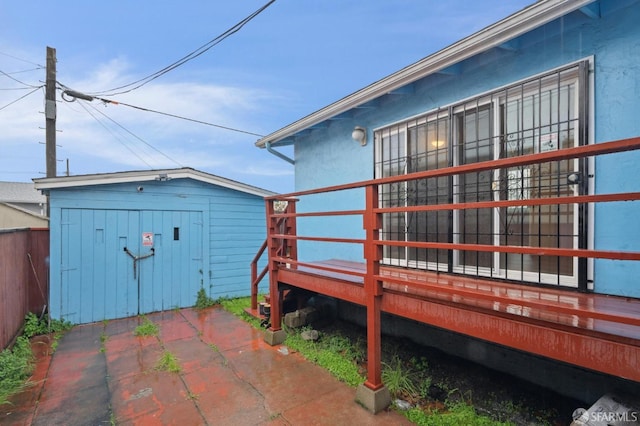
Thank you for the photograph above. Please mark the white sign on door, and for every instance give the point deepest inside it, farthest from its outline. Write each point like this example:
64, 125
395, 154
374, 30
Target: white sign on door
147, 239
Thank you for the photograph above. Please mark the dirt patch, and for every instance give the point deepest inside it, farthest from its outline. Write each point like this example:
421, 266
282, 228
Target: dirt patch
440, 378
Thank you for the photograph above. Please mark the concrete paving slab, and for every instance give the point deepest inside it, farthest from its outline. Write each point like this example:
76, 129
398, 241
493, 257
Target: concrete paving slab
102, 373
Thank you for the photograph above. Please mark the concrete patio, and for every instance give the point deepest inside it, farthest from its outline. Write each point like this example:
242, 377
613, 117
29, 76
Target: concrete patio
102, 374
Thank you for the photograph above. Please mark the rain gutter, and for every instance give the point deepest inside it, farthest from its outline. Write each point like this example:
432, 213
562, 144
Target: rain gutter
279, 154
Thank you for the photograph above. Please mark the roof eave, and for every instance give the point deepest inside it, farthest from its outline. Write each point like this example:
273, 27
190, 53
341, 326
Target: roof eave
519, 23
146, 176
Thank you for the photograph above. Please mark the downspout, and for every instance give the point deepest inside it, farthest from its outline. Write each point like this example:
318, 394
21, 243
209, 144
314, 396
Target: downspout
278, 154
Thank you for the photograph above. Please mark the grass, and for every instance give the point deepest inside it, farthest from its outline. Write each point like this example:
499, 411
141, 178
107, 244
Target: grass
16, 364
398, 380
237, 307
147, 328
459, 413
168, 362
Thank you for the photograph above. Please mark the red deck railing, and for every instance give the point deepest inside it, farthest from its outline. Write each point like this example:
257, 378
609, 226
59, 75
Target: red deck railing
282, 242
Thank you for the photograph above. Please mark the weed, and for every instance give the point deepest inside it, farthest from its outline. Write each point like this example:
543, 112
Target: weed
203, 300
237, 307
457, 414
274, 416
168, 362
192, 396
214, 347
147, 328
335, 355
15, 367
103, 341
34, 326
423, 387
398, 380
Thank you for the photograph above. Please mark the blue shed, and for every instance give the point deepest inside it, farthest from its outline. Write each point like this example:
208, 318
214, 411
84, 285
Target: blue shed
130, 243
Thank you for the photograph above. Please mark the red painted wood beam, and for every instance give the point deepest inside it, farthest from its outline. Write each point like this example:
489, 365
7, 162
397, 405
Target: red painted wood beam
332, 287
373, 291
573, 199
272, 249
536, 251
583, 151
542, 305
594, 353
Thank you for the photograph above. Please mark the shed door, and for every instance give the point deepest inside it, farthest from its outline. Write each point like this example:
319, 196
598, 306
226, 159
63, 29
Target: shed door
98, 280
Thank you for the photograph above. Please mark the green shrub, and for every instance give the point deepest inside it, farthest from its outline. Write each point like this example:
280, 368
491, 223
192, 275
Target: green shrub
34, 326
202, 300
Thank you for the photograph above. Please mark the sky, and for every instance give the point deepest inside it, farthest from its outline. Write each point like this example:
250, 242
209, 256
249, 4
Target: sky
292, 59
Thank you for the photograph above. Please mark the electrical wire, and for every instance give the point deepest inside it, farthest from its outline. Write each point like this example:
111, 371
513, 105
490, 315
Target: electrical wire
115, 136
20, 98
66, 91
190, 56
18, 81
183, 118
23, 60
134, 135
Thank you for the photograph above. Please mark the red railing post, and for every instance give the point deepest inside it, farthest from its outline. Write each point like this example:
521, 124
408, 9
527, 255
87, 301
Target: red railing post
372, 393
291, 229
373, 289
254, 275
272, 250
285, 225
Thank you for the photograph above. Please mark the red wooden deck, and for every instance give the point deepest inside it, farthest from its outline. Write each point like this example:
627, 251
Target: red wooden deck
594, 331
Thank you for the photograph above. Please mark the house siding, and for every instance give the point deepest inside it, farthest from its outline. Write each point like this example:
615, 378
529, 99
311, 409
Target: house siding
236, 233
328, 156
217, 240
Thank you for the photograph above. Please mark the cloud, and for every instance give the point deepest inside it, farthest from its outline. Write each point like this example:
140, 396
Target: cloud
99, 137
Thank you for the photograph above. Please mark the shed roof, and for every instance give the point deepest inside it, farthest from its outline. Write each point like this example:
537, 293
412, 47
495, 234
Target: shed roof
529, 18
145, 176
20, 192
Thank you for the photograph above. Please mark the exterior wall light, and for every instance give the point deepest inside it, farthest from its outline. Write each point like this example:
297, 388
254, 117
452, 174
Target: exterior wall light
359, 134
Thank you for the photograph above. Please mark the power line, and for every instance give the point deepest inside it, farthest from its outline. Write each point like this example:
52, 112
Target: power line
16, 80
23, 60
77, 95
183, 118
114, 135
190, 56
20, 98
23, 71
135, 136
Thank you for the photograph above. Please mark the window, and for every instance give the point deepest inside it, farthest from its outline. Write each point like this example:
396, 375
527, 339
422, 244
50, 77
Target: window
533, 116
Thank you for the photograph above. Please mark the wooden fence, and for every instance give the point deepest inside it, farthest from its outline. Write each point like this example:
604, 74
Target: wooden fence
24, 278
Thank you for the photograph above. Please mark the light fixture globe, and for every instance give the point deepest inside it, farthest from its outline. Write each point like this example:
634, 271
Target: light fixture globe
359, 134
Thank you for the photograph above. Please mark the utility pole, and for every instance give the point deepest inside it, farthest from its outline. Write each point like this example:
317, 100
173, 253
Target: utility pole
50, 112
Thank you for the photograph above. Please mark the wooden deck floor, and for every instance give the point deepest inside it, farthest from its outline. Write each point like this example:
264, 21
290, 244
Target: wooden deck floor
594, 331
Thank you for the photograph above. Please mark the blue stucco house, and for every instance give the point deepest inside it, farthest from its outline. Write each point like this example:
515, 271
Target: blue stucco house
130, 243
488, 192
557, 74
